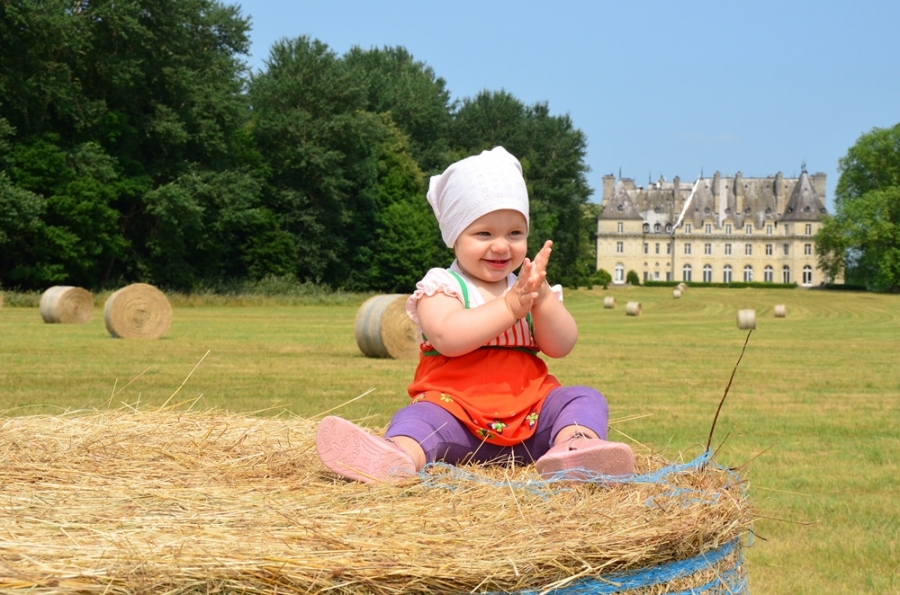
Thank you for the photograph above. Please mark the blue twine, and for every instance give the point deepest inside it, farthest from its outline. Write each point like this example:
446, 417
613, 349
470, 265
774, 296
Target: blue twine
731, 581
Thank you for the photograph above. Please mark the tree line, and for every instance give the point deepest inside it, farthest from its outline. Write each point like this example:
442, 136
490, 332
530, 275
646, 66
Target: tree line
136, 145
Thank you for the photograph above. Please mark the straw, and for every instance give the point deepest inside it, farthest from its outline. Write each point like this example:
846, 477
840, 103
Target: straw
162, 501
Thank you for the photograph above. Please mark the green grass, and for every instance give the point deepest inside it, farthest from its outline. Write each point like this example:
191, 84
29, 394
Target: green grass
812, 415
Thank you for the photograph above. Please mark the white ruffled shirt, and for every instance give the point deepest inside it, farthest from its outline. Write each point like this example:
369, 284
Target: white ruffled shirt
442, 280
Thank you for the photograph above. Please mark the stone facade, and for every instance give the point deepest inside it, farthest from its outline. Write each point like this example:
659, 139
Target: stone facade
716, 229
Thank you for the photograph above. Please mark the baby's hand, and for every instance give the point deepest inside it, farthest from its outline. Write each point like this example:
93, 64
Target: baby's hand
530, 287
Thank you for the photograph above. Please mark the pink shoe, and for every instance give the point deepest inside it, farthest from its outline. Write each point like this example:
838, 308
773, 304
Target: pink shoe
350, 451
585, 458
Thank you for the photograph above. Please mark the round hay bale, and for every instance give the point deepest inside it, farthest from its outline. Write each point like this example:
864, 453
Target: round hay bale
385, 330
137, 311
676, 293
67, 304
609, 302
682, 287
746, 319
780, 311
675, 527
633, 308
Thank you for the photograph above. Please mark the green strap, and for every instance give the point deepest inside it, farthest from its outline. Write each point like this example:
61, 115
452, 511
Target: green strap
462, 285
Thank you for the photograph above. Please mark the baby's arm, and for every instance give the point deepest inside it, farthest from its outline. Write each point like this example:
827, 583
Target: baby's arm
453, 330
555, 331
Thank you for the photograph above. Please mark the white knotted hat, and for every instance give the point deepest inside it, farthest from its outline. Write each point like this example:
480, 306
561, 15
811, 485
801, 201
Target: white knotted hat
476, 186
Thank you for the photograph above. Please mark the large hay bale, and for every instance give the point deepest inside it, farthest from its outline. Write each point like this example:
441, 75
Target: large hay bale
67, 305
633, 309
384, 329
137, 311
609, 302
780, 311
126, 501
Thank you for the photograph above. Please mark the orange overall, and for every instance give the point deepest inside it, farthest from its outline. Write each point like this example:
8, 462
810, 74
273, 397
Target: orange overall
497, 390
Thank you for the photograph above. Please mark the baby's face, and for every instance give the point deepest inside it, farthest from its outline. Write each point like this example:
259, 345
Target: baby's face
493, 246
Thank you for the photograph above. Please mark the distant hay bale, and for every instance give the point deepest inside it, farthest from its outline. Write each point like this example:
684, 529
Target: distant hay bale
609, 302
746, 319
66, 304
682, 287
165, 501
137, 311
780, 311
633, 308
385, 330
676, 293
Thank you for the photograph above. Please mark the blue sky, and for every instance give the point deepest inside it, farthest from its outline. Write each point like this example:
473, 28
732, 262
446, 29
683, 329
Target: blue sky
659, 88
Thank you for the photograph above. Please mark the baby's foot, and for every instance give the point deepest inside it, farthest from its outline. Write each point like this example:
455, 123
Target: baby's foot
350, 451
586, 458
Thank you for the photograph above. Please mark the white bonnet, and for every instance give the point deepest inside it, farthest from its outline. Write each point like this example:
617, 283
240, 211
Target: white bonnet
476, 186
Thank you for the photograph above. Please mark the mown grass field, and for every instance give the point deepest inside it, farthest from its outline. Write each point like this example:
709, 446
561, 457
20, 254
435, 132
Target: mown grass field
812, 416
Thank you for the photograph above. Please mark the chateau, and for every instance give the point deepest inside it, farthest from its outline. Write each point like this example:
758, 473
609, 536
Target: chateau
714, 230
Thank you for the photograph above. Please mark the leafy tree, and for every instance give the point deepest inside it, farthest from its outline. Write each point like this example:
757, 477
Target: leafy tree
863, 236
417, 100
124, 98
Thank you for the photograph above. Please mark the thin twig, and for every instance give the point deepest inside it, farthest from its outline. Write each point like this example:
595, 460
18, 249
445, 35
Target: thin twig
722, 402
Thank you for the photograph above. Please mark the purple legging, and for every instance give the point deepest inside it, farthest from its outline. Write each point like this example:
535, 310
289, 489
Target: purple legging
444, 438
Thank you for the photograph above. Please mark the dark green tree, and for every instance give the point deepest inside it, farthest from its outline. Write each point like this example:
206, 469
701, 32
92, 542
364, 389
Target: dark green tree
395, 83
133, 95
862, 239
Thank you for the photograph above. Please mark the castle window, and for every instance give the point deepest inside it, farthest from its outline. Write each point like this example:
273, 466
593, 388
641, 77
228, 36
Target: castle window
786, 274
787, 229
748, 249
768, 249
656, 228
809, 229
787, 249
807, 249
646, 247
728, 229
749, 229
768, 230
687, 248
620, 273
727, 249
768, 274
807, 275
686, 273
668, 228
668, 248
620, 227
707, 248
707, 273
646, 228
748, 274
726, 274
708, 228
657, 247
620, 247
687, 228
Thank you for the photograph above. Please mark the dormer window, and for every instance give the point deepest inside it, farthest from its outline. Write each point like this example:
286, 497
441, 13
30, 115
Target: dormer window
646, 228
656, 228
